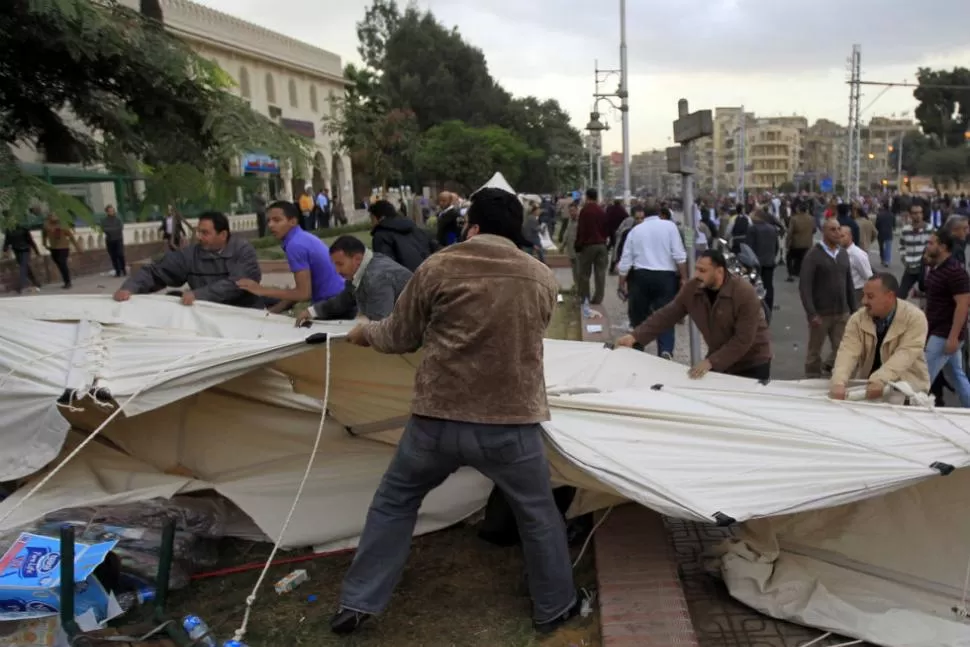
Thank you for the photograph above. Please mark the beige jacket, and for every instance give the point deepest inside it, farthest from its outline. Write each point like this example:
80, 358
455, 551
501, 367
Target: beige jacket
903, 359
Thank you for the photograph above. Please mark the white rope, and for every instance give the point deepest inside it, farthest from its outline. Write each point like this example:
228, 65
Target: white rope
589, 537
816, 640
146, 385
251, 599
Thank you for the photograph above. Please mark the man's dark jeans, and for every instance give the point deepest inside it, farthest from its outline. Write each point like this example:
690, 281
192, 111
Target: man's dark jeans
116, 252
651, 290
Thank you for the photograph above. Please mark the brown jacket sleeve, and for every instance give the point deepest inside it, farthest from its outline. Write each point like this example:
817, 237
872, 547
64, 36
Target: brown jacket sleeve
403, 331
747, 318
665, 318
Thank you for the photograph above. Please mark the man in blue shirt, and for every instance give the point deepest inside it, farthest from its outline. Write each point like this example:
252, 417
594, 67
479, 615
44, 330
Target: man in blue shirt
315, 276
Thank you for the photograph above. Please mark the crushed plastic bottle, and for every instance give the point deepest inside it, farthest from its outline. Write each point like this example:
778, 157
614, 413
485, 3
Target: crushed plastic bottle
131, 599
198, 630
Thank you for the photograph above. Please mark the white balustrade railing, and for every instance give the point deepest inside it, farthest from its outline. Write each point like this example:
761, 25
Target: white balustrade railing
139, 233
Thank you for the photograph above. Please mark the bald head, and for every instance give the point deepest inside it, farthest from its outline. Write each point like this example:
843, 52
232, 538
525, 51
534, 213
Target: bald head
445, 199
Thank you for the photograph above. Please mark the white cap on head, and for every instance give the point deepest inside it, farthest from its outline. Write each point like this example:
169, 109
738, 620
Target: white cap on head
497, 181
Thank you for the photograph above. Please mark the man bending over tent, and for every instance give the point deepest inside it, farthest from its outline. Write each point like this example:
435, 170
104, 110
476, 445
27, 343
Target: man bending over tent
882, 343
478, 310
728, 314
375, 282
210, 267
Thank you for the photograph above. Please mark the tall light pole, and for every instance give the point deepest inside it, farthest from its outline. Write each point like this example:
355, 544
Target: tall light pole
596, 128
623, 93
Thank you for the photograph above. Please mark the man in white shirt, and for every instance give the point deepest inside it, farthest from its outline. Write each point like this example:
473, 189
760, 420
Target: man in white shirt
859, 266
651, 268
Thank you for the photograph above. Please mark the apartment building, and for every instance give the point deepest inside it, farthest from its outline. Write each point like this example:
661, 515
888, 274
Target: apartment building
772, 154
878, 141
654, 178
826, 149
727, 130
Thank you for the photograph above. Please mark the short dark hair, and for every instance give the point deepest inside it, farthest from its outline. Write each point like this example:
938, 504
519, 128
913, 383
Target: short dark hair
636, 208
290, 210
944, 237
219, 220
349, 245
592, 194
715, 256
497, 212
888, 281
651, 209
382, 209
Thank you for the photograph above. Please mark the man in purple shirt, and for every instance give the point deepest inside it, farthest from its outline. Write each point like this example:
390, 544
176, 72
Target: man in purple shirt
315, 276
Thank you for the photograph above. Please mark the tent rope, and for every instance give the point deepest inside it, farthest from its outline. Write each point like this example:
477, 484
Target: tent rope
251, 599
156, 378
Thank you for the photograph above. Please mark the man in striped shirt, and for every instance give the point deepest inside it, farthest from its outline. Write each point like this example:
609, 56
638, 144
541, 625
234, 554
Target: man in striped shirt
947, 288
912, 244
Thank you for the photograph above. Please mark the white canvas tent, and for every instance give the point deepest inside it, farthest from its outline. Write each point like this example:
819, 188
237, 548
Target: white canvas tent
849, 522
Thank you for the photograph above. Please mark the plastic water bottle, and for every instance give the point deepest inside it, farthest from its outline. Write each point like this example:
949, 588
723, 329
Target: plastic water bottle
587, 311
198, 630
131, 599
234, 643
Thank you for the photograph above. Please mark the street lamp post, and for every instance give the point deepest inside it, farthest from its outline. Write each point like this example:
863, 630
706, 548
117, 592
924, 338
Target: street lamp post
622, 93
624, 105
596, 128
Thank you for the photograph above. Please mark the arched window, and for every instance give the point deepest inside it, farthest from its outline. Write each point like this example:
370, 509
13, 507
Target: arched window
293, 98
332, 99
270, 89
313, 98
244, 90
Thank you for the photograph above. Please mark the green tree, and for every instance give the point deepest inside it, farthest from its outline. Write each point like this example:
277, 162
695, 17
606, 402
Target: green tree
944, 112
97, 83
946, 164
545, 126
414, 63
915, 145
466, 156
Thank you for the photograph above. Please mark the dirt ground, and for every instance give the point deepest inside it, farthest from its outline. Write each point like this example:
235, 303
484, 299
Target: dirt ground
457, 590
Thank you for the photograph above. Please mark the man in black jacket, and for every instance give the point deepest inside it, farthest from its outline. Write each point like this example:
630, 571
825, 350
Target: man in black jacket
885, 226
397, 237
762, 237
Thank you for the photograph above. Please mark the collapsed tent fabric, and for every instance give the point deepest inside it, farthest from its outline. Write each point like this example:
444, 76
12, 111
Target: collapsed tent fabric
229, 399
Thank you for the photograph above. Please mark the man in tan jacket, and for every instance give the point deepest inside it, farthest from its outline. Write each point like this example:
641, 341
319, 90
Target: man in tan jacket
883, 342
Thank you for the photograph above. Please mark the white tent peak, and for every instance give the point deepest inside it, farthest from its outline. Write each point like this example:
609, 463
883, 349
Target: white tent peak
497, 181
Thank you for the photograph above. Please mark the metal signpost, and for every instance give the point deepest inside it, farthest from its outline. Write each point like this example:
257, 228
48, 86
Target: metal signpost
690, 126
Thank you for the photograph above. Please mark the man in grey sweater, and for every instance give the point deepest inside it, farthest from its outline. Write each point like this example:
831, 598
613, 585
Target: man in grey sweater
211, 268
374, 282
825, 286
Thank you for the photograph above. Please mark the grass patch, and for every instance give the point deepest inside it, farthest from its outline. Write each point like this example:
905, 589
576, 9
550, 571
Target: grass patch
456, 591
566, 321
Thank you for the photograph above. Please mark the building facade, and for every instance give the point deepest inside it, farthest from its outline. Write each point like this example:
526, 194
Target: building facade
772, 153
287, 80
826, 154
878, 142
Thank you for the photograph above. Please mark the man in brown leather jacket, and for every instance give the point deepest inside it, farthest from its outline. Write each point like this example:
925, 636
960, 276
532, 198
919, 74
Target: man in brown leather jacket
728, 313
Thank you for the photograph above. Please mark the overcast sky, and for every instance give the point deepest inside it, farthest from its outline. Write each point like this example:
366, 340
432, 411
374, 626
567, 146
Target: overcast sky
776, 57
